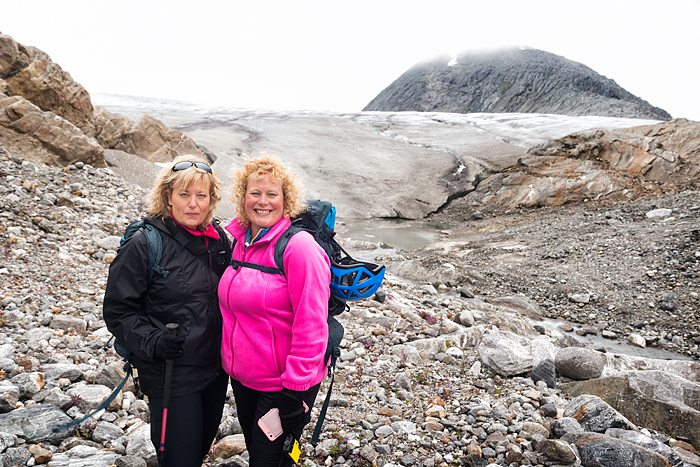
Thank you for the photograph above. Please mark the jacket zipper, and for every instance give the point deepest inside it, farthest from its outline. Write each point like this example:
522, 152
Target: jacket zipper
233, 330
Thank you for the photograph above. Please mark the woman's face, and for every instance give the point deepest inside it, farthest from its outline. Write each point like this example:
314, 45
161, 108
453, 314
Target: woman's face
190, 205
264, 202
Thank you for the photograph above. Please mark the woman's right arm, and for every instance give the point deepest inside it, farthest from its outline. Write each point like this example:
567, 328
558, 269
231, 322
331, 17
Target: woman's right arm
125, 293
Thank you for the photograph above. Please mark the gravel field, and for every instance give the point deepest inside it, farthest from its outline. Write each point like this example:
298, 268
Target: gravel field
618, 268
422, 380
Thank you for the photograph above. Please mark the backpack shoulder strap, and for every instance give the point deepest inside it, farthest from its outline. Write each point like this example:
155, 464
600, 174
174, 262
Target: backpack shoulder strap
267, 269
220, 230
155, 250
281, 246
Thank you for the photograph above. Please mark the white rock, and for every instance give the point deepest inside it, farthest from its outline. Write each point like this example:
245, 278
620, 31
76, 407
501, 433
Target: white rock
658, 213
636, 339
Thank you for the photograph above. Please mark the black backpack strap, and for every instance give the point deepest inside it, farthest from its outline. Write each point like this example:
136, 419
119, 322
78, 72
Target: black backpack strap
155, 250
280, 246
282, 243
196, 248
335, 335
326, 402
270, 270
103, 405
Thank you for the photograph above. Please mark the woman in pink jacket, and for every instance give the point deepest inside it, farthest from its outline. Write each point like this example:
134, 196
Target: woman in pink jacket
274, 326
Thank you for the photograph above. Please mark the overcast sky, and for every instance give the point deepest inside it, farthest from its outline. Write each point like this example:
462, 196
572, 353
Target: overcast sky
333, 55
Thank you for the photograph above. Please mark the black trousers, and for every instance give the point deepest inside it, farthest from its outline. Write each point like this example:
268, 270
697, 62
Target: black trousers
192, 423
251, 405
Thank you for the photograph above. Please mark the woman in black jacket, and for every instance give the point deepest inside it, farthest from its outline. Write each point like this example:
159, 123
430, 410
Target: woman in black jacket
195, 253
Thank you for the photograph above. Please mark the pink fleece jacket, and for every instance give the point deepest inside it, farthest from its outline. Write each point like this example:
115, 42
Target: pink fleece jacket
274, 327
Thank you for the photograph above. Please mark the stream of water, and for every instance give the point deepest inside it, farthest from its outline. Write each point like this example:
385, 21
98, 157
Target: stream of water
396, 233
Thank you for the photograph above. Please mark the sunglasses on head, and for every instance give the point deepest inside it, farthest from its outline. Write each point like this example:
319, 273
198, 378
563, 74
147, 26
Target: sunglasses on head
184, 165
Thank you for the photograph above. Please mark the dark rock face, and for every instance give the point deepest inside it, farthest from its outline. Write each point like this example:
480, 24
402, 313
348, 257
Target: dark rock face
594, 414
545, 371
600, 450
511, 80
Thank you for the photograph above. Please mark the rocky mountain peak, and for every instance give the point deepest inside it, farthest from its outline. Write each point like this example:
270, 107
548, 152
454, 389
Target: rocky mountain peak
511, 80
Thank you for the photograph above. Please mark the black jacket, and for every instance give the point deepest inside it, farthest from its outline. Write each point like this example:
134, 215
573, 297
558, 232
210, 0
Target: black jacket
136, 312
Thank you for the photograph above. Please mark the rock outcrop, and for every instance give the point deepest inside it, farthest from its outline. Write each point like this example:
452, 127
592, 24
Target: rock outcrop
511, 80
149, 136
597, 164
47, 137
49, 87
655, 399
47, 117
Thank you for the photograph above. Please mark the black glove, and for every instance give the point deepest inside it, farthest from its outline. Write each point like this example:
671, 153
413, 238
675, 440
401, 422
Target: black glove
169, 347
292, 413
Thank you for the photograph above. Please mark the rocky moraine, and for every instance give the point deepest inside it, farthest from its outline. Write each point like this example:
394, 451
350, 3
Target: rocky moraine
442, 372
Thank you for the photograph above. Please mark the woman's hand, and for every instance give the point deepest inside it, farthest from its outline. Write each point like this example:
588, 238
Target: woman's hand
169, 347
292, 411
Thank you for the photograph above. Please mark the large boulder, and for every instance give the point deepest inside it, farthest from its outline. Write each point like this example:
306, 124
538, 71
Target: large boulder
595, 414
37, 424
579, 363
148, 138
654, 399
509, 354
44, 136
605, 451
151, 139
84, 456
49, 87
89, 396
140, 444
619, 364
640, 439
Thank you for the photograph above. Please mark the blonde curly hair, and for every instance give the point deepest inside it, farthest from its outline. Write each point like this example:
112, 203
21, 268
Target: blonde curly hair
272, 166
167, 180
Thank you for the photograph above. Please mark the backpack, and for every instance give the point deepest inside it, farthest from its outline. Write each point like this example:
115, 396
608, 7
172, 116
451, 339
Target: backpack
155, 246
319, 221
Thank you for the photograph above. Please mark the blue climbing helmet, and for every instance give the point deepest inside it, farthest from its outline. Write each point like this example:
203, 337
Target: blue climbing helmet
355, 280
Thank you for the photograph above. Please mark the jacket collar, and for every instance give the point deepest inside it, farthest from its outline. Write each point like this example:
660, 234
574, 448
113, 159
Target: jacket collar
239, 231
209, 232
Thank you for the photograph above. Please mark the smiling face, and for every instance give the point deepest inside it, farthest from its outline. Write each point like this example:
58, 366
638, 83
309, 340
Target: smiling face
190, 205
264, 202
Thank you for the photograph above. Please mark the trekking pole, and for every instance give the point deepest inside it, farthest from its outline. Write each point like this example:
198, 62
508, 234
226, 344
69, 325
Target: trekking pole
172, 329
